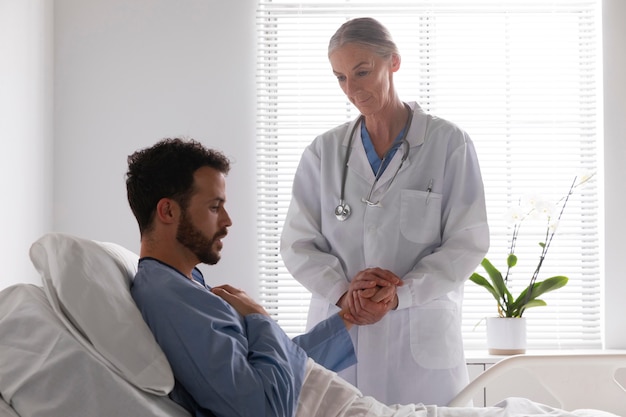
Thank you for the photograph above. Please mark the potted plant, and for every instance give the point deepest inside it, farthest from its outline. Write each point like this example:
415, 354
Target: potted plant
508, 336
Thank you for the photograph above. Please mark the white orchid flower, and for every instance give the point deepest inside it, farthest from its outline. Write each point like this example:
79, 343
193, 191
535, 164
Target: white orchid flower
515, 215
553, 224
544, 210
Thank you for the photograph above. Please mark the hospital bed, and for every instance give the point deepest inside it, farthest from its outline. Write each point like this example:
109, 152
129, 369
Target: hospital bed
567, 381
77, 344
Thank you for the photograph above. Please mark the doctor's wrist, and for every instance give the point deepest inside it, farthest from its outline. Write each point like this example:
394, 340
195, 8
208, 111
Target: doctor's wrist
342, 303
395, 302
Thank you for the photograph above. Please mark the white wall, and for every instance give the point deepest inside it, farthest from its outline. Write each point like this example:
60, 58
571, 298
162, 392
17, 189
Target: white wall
128, 73
614, 51
26, 138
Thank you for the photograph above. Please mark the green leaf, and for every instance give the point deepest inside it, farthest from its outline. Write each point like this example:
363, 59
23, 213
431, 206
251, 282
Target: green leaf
549, 284
538, 288
542, 244
496, 277
536, 303
519, 308
507, 306
497, 287
482, 281
511, 260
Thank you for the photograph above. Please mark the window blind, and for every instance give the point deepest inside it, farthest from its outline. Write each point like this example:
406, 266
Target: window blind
521, 77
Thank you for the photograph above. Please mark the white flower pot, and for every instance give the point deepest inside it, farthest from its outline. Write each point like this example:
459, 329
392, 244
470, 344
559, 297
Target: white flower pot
506, 335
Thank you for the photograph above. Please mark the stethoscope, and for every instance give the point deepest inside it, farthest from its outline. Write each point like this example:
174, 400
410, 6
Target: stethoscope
343, 210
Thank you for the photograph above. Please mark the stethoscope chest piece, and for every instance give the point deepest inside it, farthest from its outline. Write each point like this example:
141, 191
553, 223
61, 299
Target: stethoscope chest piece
342, 211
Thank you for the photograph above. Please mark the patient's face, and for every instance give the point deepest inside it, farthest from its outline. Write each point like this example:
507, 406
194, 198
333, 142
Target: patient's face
205, 221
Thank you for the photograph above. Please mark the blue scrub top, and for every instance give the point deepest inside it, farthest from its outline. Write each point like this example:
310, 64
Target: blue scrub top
373, 158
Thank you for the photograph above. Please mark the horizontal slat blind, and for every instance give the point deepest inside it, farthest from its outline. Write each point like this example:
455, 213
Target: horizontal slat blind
520, 77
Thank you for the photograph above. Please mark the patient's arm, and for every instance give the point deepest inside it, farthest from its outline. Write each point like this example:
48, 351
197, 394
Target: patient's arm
245, 305
328, 343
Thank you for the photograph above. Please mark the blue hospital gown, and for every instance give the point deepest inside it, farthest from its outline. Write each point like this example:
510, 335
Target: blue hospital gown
226, 364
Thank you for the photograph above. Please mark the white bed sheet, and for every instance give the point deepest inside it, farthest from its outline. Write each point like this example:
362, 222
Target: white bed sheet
325, 394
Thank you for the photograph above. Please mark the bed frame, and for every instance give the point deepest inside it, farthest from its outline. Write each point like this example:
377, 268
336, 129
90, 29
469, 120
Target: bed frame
567, 381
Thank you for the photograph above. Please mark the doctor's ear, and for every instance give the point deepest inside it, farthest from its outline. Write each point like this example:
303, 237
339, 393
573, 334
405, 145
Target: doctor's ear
395, 62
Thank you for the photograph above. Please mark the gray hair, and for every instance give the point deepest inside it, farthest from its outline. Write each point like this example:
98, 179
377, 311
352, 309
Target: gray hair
367, 32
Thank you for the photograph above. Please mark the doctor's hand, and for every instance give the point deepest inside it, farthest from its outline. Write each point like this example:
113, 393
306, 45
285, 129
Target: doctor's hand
372, 293
239, 300
364, 311
370, 281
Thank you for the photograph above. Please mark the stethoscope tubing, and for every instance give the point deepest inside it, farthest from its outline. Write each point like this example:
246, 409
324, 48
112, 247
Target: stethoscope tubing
405, 153
342, 211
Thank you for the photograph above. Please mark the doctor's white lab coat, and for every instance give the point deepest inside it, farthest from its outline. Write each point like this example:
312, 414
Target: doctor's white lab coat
432, 240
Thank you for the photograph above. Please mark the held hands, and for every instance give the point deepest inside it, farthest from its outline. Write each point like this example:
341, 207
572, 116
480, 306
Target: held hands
372, 293
239, 300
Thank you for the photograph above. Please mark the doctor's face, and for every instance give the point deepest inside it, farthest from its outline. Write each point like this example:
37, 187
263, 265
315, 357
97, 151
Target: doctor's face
365, 77
205, 221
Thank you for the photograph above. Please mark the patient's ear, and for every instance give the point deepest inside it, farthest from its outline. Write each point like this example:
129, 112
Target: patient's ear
167, 211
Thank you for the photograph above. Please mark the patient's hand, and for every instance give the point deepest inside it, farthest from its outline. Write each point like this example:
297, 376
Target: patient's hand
239, 300
380, 294
372, 293
365, 311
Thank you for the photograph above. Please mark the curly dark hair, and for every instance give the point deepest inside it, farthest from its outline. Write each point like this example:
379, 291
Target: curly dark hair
166, 170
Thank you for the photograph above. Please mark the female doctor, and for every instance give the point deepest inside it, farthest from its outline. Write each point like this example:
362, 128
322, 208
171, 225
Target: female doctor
394, 195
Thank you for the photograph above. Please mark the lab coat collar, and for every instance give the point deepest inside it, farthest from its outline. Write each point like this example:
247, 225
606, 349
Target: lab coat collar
416, 134
358, 163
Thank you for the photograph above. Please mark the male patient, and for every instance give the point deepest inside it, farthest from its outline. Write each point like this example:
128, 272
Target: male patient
228, 356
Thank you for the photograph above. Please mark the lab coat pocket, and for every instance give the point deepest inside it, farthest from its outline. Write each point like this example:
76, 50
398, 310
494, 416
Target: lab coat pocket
420, 216
436, 341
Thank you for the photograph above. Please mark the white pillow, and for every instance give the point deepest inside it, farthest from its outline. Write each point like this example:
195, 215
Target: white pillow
88, 286
46, 372
6, 410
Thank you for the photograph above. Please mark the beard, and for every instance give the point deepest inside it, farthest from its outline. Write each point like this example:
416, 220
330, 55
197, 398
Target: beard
194, 240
